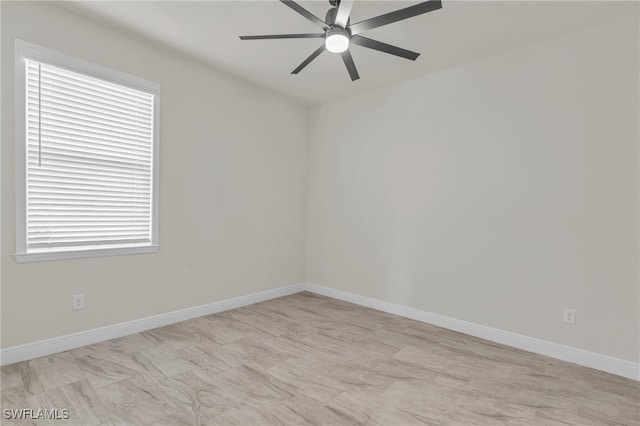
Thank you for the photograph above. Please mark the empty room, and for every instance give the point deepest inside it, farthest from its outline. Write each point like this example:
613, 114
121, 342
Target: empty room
325, 212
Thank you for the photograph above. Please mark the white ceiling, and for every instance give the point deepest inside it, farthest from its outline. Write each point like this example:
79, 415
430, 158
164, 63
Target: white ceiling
460, 32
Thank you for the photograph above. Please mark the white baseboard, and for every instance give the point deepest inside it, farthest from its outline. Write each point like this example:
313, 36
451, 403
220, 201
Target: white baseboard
594, 360
40, 348
70, 341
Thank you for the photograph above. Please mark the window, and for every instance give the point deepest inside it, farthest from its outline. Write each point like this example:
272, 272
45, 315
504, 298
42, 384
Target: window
87, 162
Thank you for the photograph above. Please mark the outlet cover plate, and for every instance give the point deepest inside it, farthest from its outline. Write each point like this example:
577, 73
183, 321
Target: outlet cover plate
569, 316
77, 302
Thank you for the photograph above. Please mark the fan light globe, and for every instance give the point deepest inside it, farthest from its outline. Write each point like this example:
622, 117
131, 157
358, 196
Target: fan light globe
336, 41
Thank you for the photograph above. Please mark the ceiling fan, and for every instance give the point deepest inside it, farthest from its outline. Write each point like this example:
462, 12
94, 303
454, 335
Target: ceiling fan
339, 33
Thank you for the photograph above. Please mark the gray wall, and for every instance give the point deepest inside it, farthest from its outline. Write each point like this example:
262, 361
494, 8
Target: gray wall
498, 192
232, 190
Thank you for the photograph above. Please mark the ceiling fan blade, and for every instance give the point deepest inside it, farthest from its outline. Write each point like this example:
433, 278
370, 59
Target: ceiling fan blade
278, 36
342, 17
384, 47
395, 16
309, 59
351, 66
304, 12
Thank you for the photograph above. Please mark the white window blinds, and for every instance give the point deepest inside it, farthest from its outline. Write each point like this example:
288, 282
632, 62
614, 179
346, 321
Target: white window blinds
89, 162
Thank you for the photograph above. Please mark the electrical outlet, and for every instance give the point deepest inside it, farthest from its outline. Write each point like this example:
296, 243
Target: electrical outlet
569, 316
325, 268
78, 302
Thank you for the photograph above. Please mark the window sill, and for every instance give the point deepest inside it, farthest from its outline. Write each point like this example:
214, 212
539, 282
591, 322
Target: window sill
81, 254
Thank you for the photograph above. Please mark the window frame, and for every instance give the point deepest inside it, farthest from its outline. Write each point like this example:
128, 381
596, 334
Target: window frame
25, 50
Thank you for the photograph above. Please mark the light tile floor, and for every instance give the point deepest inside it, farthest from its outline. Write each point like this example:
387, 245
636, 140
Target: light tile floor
306, 359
